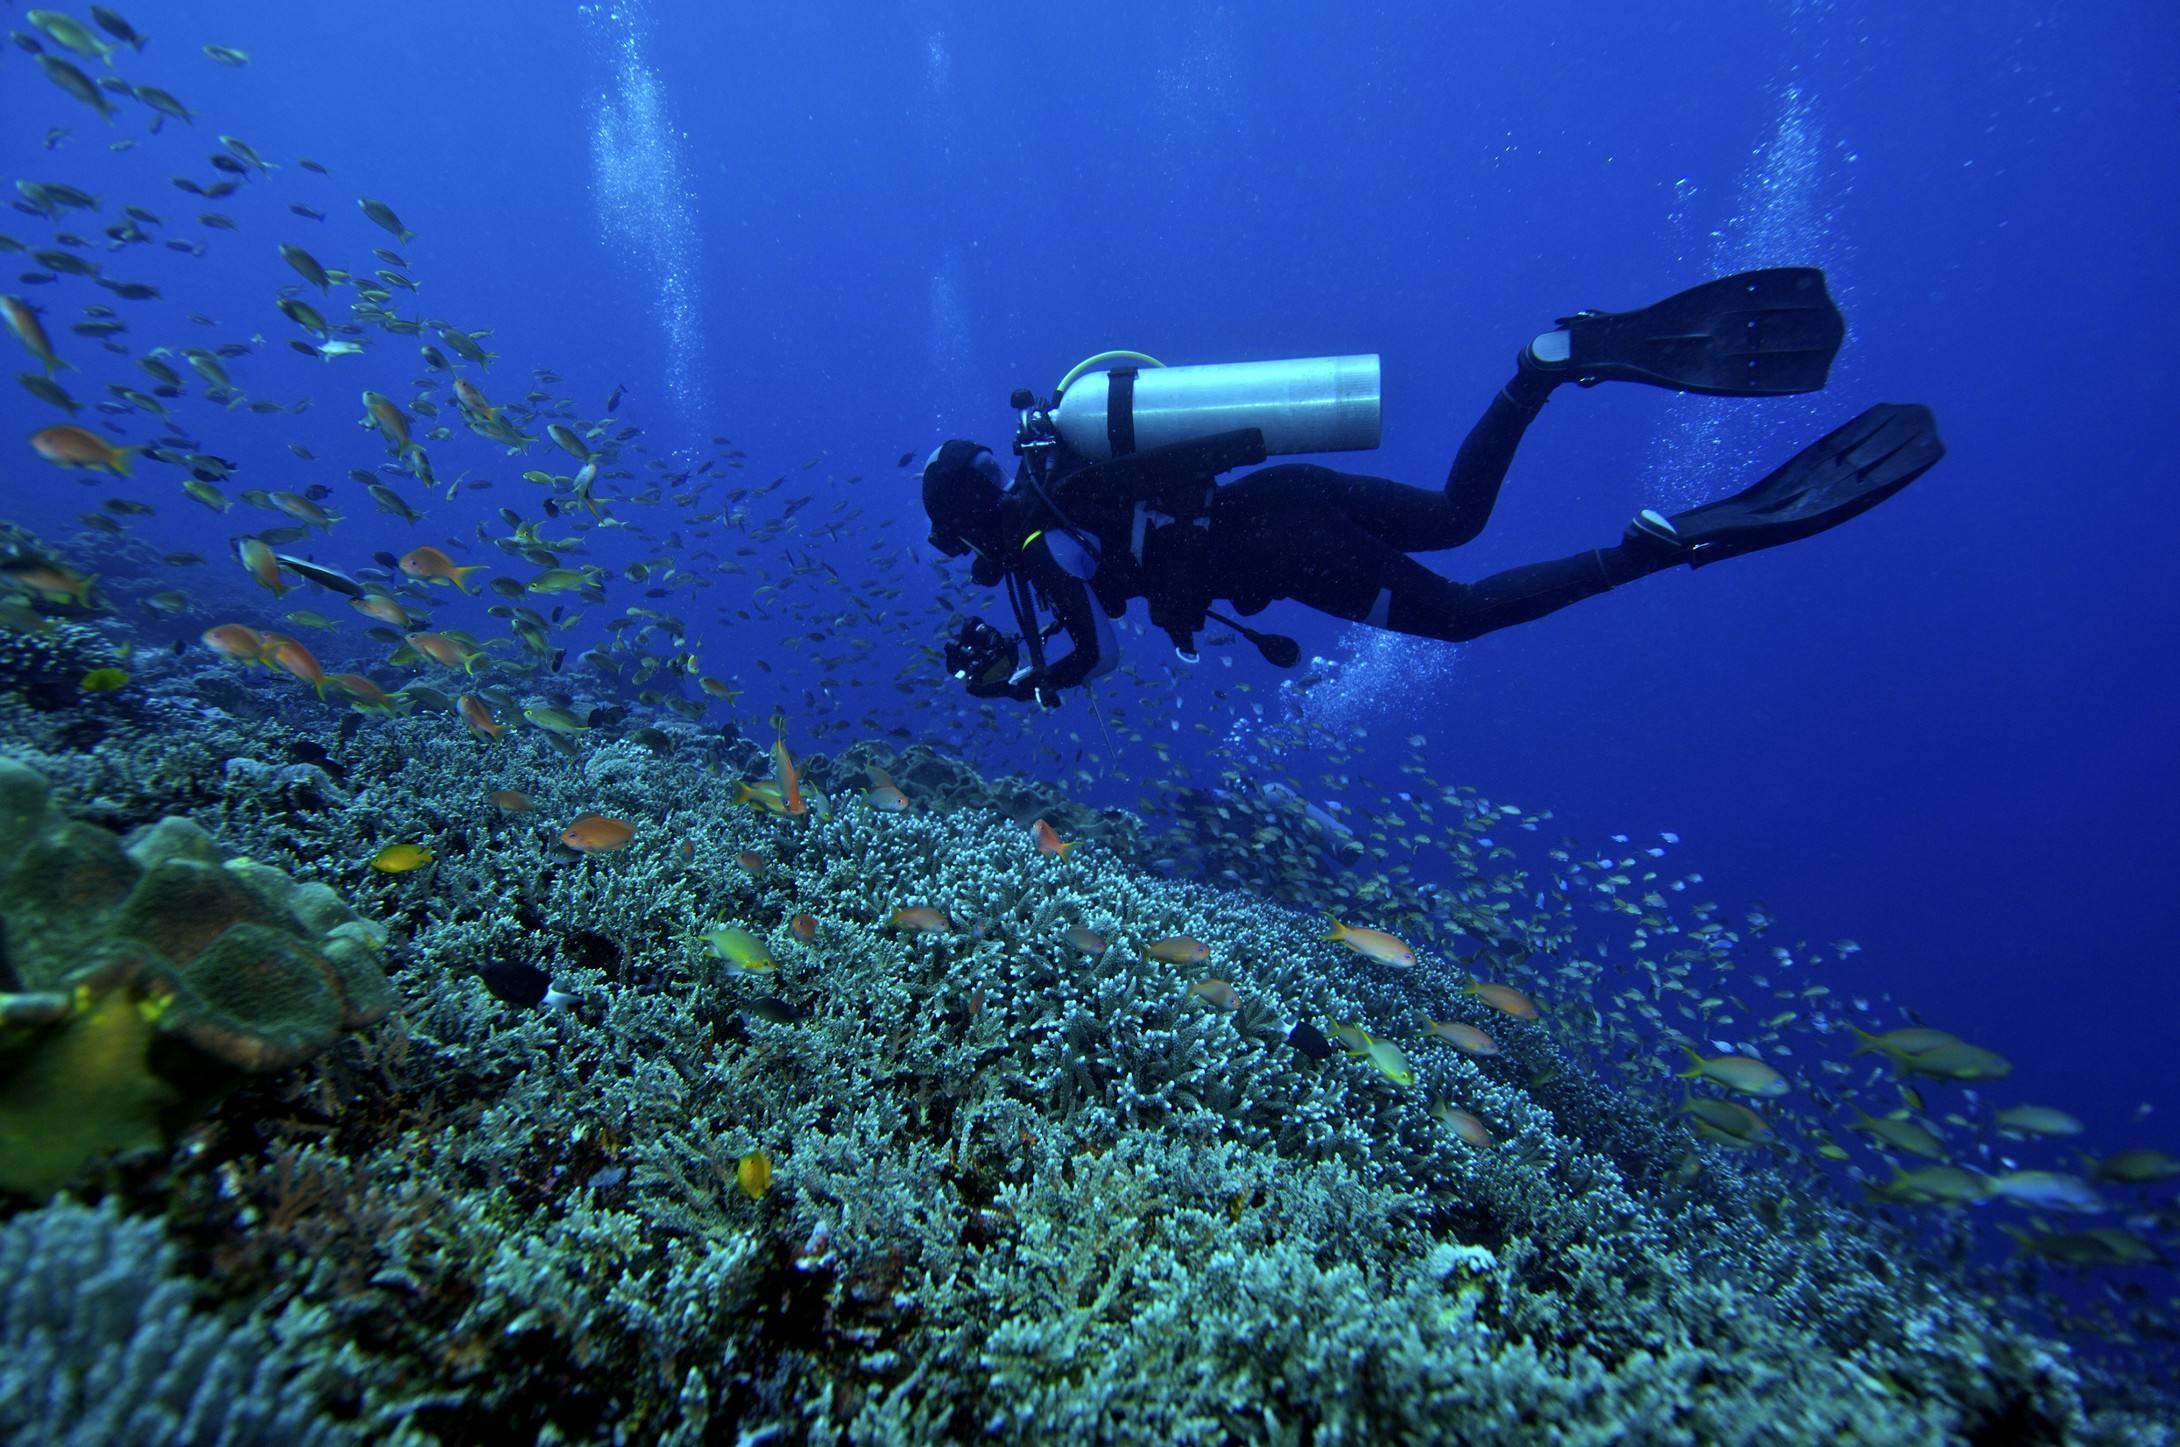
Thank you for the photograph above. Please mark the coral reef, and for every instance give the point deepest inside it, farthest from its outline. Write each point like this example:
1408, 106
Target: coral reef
140, 978
102, 1340
1020, 1189
44, 669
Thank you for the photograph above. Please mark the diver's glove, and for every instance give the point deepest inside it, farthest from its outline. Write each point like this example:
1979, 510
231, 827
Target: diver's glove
1030, 687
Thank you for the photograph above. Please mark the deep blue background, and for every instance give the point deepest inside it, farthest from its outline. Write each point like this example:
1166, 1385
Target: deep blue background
1945, 731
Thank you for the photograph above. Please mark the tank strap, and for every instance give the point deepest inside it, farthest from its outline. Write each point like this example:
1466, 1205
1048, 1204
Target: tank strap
1120, 410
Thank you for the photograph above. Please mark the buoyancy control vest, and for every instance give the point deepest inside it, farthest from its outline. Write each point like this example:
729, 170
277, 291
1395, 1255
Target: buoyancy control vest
1144, 521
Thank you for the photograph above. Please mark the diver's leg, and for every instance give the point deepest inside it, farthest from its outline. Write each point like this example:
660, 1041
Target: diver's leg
1317, 558
1415, 519
1472, 483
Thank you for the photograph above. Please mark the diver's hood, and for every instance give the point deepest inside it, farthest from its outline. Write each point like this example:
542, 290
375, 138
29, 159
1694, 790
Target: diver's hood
962, 486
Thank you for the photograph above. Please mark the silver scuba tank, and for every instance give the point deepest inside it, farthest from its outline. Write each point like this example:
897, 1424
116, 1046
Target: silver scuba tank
1303, 404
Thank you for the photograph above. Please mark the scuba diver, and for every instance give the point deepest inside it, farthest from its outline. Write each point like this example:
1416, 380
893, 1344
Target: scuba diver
1118, 494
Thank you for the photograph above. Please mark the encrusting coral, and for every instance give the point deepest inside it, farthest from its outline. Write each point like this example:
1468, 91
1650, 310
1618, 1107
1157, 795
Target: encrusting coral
140, 979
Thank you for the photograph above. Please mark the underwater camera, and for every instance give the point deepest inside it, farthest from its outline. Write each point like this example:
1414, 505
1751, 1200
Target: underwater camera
980, 653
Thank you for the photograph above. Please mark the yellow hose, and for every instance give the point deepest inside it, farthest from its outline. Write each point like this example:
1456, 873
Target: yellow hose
1088, 362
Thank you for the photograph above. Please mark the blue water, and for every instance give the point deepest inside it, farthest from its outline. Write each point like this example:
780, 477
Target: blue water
837, 235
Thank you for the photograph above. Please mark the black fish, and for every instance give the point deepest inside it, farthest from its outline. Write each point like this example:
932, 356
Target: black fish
906, 459
386, 560
776, 1011
1306, 1038
516, 983
615, 400
322, 575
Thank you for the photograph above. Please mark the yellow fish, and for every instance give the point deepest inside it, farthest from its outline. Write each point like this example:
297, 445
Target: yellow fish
753, 1173
401, 858
740, 946
1741, 1073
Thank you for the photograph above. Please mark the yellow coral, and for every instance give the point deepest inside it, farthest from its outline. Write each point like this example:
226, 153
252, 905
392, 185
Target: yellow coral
82, 1090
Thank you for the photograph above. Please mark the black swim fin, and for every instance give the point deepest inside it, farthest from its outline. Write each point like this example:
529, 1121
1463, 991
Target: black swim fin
1755, 334
1847, 471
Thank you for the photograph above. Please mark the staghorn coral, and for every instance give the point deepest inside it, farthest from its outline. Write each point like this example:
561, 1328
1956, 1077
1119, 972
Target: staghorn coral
1019, 1190
139, 979
44, 669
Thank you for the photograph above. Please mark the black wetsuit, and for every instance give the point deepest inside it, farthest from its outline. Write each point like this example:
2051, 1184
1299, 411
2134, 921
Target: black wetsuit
1338, 542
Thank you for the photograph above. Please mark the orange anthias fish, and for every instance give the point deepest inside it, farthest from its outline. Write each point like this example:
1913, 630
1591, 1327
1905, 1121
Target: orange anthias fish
385, 609
23, 321
1464, 1036
364, 695
1089, 941
428, 565
262, 565
1049, 840
473, 399
293, 658
442, 650
512, 801
50, 580
1504, 998
1219, 992
75, 447
236, 642
1373, 944
1464, 1125
478, 717
596, 834
1177, 950
920, 918
804, 926
790, 785
883, 793
391, 422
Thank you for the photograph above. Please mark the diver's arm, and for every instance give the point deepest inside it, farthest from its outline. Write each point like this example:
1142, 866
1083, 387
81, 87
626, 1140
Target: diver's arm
1091, 647
997, 688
